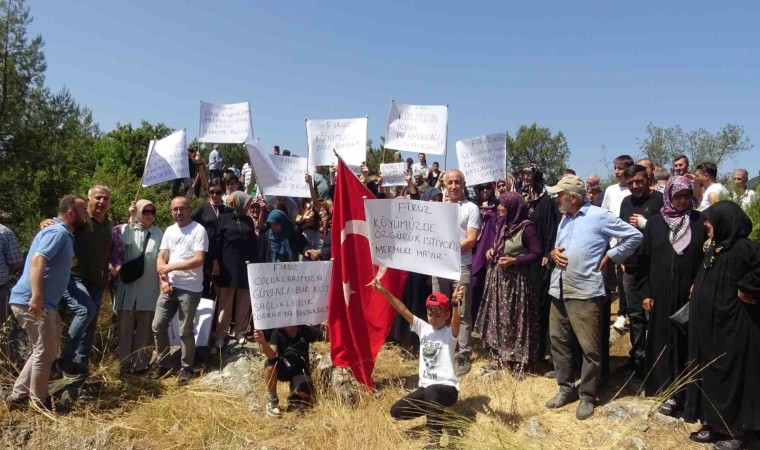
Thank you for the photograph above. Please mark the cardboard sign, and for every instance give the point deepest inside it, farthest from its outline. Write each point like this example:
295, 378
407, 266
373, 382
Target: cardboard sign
417, 128
415, 236
393, 174
483, 158
289, 294
225, 124
201, 324
348, 137
291, 171
167, 159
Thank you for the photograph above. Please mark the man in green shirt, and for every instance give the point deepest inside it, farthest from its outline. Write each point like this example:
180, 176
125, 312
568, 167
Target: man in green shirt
89, 276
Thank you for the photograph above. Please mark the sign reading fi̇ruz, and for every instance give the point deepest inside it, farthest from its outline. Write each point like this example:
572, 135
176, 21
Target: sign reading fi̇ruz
483, 159
415, 236
225, 124
289, 294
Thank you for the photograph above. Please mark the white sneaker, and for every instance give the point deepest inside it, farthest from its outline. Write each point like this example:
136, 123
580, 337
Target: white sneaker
619, 324
240, 338
273, 408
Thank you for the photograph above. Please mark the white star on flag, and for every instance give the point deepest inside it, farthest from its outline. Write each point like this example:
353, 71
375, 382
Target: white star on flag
347, 291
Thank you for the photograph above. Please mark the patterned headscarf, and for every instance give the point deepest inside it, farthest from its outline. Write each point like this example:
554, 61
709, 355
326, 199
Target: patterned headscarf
532, 192
514, 220
678, 221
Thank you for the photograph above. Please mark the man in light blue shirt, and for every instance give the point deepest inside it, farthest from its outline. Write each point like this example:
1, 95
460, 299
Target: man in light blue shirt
577, 288
34, 300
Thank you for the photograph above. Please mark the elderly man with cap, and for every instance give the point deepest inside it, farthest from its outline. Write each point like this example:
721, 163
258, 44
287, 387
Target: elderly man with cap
577, 288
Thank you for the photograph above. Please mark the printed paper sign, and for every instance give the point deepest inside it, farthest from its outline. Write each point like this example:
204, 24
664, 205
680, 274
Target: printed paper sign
417, 128
267, 175
483, 158
167, 159
393, 174
201, 325
292, 171
289, 294
348, 137
225, 124
415, 236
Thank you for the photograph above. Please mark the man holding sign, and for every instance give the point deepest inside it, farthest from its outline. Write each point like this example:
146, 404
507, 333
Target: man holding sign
469, 221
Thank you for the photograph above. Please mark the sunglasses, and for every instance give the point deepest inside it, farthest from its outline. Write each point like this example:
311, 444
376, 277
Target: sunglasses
151, 212
215, 192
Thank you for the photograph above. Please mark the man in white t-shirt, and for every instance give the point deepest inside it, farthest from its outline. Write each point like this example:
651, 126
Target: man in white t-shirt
740, 193
613, 198
180, 269
469, 221
421, 167
706, 174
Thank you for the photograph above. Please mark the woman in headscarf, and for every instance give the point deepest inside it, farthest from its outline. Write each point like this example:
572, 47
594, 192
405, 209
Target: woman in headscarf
508, 320
669, 261
724, 333
233, 245
487, 202
280, 242
544, 214
135, 302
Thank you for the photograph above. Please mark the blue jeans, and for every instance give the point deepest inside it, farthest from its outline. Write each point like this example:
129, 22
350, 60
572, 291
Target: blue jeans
83, 298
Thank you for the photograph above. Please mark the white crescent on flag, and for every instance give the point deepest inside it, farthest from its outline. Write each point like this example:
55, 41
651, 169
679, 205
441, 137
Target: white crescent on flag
354, 227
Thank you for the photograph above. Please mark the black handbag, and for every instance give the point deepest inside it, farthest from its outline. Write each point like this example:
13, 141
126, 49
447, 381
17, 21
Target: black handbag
132, 270
681, 318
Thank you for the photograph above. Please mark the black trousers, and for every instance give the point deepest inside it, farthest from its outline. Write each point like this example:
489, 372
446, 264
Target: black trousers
638, 319
432, 401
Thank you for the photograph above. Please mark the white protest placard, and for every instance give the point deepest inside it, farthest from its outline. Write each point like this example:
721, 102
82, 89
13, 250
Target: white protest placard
483, 158
289, 294
348, 137
225, 124
417, 128
267, 175
415, 236
393, 174
201, 324
292, 181
167, 159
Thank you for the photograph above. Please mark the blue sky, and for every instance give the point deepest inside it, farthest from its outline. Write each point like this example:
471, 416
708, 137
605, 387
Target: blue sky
597, 71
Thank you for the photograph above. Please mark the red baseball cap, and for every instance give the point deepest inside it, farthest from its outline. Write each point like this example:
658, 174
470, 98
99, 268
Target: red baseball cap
438, 299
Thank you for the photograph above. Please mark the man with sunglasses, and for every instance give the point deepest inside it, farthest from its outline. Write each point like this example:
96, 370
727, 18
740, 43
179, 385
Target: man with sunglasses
180, 270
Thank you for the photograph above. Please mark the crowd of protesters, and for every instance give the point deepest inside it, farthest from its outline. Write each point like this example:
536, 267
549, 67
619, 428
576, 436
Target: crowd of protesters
540, 267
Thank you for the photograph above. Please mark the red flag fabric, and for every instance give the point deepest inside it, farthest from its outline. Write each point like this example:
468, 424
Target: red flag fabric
359, 318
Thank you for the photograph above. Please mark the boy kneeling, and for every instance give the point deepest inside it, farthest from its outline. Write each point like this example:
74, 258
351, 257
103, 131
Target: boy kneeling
287, 353
439, 386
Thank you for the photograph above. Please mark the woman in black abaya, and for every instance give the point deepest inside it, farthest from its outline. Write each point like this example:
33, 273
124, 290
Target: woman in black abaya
670, 258
724, 332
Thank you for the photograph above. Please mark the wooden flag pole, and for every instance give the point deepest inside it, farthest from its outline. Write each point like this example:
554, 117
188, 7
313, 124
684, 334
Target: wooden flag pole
145, 167
386, 128
446, 143
308, 150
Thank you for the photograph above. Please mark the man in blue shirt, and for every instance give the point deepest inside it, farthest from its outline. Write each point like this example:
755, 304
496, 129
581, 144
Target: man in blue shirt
577, 289
34, 299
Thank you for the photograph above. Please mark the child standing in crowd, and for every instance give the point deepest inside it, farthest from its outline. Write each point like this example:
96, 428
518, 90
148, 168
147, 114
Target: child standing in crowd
439, 386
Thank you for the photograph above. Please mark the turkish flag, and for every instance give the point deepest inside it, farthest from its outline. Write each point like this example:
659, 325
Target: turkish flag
359, 318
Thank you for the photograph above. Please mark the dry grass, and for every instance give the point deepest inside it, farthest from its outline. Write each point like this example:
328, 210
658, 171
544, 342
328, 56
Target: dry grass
136, 413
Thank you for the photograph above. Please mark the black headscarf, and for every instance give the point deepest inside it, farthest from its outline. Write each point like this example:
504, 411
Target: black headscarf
730, 223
